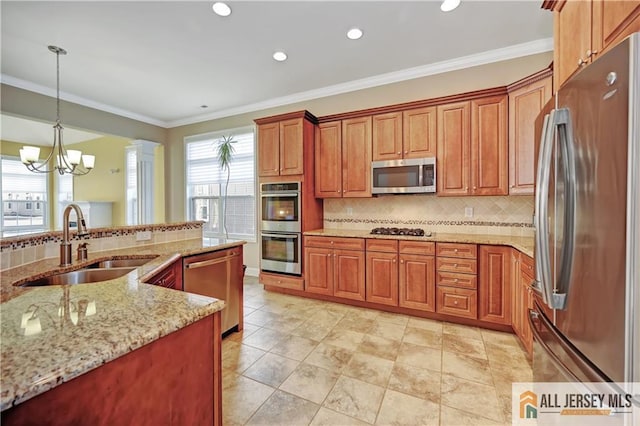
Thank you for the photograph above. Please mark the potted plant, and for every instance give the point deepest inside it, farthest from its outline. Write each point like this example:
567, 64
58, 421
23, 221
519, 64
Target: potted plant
224, 152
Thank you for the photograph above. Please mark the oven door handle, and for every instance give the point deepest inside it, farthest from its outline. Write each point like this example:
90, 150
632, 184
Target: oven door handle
296, 236
280, 194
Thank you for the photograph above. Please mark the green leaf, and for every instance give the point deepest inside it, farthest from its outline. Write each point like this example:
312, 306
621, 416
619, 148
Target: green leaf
225, 151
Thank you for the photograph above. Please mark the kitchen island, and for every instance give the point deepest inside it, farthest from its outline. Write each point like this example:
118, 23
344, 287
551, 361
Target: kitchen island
118, 351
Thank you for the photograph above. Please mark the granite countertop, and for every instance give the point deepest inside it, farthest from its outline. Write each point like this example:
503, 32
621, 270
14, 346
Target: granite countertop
523, 244
122, 315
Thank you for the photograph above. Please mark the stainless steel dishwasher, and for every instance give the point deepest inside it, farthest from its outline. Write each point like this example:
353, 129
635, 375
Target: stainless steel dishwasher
218, 274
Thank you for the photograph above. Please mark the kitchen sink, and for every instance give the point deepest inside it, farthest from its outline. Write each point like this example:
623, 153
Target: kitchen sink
119, 263
81, 276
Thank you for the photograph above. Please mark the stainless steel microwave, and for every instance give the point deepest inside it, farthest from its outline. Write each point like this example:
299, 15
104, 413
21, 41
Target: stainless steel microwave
411, 176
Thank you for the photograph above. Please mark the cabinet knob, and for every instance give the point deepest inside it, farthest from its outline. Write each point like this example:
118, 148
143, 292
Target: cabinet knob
398, 153
455, 265
455, 280
590, 53
329, 255
455, 302
455, 250
401, 260
513, 186
331, 242
474, 188
394, 260
581, 62
406, 152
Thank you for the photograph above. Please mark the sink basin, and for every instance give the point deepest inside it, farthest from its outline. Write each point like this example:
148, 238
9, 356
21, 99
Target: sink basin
80, 277
119, 263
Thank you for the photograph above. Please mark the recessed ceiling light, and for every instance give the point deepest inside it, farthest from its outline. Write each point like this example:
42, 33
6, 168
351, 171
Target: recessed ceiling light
354, 33
449, 5
221, 9
280, 56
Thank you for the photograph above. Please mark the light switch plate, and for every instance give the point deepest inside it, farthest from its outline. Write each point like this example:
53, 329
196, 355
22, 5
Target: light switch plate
468, 212
143, 235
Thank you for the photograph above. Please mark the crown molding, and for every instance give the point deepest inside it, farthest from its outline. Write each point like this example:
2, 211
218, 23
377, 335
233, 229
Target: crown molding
483, 58
68, 97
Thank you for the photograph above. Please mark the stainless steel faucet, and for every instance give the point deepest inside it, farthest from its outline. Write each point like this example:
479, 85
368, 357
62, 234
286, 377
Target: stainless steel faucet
65, 245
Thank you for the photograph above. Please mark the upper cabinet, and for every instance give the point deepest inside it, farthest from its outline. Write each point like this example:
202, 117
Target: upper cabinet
526, 99
585, 29
343, 158
472, 147
404, 134
281, 144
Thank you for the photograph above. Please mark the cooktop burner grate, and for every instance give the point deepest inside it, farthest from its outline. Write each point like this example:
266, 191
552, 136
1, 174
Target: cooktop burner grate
414, 232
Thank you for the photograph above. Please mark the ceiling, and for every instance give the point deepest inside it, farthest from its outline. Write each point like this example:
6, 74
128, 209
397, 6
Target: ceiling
160, 61
31, 132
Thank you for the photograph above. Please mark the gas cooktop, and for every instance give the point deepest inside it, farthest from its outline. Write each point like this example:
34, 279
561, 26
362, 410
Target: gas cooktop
414, 232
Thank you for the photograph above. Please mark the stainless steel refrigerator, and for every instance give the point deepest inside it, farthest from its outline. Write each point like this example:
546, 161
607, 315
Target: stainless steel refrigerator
586, 320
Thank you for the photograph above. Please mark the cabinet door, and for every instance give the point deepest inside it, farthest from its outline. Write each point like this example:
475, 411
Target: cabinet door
417, 282
489, 155
356, 157
453, 149
524, 106
613, 21
169, 277
349, 274
387, 136
291, 147
328, 160
516, 307
572, 39
269, 149
318, 270
495, 284
419, 132
382, 278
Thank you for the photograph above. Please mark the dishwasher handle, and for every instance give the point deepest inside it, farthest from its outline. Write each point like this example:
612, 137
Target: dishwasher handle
204, 263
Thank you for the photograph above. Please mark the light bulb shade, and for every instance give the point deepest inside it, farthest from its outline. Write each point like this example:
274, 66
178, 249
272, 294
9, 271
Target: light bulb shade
29, 154
91, 308
74, 156
89, 161
32, 326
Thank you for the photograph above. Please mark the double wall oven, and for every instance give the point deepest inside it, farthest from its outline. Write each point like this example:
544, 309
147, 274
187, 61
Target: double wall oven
281, 237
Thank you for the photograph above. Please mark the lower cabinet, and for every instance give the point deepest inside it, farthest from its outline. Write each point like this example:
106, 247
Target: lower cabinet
456, 279
417, 275
382, 272
335, 267
522, 299
169, 277
495, 284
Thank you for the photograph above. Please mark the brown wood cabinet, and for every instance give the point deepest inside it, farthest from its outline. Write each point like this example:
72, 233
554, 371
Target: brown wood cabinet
281, 144
169, 277
417, 282
456, 280
472, 147
343, 159
387, 136
335, 266
404, 134
522, 298
453, 148
489, 145
526, 99
382, 271
585, 29
495, 284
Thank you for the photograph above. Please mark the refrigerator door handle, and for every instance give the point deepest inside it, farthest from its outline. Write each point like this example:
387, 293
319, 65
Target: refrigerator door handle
543, 267
562, 120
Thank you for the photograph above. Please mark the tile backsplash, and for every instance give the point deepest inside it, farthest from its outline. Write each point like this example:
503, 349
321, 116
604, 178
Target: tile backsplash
508, 215
16, 251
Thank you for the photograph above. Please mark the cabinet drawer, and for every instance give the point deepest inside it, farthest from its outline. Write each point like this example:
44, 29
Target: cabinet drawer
335, 242
452, 279
281, 281
460, 302
389, 246
417, 247
459, 265
469, 251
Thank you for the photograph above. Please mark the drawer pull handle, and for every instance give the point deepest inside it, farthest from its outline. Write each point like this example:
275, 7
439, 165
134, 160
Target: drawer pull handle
455, 302
455, 265
455, 250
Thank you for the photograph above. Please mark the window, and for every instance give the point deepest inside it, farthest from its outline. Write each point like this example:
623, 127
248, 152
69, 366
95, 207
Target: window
20, 215
207, 185
131, 185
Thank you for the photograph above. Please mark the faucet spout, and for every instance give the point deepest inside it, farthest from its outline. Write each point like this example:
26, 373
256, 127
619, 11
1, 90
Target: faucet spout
65, 246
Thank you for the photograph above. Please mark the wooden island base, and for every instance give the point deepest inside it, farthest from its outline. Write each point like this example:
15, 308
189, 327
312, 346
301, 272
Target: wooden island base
175, 380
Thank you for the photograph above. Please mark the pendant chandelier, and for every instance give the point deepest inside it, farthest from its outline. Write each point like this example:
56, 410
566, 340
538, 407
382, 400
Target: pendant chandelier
65, 161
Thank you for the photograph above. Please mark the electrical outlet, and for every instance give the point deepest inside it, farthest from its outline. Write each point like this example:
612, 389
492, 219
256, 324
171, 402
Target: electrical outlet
468, 212
349, 211
143, 235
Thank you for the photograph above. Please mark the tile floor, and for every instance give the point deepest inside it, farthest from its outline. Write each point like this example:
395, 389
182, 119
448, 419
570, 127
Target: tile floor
305, 362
